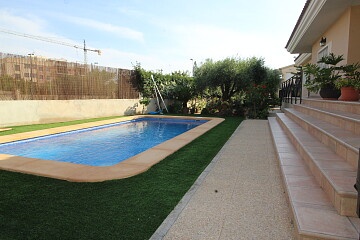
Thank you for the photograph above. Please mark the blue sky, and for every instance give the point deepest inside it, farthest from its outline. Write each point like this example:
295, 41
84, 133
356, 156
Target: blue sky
159, 34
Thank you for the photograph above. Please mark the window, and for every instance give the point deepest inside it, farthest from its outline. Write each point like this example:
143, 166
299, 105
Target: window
17, 67
60, 69
322, 53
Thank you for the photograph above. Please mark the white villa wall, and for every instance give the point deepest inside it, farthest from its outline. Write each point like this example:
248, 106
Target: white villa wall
14, 113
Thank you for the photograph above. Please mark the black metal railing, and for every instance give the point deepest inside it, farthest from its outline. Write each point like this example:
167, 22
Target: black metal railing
291, 89
357, 187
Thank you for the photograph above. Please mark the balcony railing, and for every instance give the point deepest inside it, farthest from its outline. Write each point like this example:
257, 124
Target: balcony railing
291, 89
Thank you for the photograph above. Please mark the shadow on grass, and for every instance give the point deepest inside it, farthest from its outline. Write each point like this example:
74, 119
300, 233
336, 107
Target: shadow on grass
34, 207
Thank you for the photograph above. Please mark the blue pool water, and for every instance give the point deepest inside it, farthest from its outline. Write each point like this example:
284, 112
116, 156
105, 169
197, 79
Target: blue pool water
104, 145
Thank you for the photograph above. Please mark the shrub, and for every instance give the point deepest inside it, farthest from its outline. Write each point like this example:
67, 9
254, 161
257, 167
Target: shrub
257, 101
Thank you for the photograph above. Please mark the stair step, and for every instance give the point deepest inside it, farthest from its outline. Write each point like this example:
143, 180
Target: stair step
336, 176
344, 143
344, 120
314, 215
343, 106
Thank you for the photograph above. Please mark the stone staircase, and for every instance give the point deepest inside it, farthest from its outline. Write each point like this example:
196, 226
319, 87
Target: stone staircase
317, 144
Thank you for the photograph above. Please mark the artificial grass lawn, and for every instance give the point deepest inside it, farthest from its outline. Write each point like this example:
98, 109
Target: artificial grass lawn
28, 128
34, 207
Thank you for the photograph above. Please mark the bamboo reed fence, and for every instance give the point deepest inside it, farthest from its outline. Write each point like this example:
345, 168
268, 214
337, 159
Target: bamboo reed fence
37, 78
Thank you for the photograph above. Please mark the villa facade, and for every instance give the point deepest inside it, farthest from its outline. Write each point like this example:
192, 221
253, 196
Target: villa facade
326, 26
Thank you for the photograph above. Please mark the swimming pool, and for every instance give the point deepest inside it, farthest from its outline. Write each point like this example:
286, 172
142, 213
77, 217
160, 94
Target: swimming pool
104, 145
85, 173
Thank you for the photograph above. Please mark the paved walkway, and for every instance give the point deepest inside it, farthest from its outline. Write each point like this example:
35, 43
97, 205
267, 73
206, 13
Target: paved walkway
239, 196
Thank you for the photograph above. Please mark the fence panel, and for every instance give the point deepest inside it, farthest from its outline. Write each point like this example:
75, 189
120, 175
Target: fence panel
32, 77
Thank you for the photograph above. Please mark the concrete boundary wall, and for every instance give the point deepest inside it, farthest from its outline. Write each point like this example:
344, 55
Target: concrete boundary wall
23, 112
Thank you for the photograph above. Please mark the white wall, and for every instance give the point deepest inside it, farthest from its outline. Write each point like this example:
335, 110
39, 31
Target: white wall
23, 112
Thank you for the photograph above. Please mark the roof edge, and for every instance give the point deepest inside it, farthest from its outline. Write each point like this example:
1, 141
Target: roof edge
298, 21
310, 12
302, 58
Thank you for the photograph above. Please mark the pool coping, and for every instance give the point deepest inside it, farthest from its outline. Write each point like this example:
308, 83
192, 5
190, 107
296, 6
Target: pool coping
84, 173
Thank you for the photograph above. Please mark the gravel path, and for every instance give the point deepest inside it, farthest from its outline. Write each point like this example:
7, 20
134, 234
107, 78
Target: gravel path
239, 196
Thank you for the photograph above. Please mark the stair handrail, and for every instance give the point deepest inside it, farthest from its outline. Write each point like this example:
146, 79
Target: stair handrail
291, 89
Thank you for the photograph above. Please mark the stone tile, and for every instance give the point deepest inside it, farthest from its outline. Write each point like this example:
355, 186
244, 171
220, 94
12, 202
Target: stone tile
98, 174
53, 169
290, 155
149, 157
317, 149
286, 148
173, 144
9, 161
296, 171
352, 158
328, 189
292, 162
315, 196
343, 183
334, 165
356, 223
324, 223
330, 156
313, 143
345, 205
338, 173
302, 181
316, 172
341, 150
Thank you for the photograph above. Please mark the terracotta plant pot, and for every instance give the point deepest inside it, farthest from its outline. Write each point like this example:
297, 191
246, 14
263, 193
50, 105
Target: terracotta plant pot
349, 94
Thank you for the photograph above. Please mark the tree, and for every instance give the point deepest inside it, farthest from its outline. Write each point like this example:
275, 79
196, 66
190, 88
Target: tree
226, 77
143, 81
261, 93
235, 81
175, 86
182, 87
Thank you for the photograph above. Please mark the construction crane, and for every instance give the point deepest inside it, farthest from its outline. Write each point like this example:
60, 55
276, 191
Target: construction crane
54, 41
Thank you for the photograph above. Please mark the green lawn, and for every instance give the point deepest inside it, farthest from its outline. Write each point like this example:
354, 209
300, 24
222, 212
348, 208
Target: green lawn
34, 207
28, 128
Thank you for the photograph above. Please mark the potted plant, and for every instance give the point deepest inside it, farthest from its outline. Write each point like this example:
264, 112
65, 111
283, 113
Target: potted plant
322, 77
349, 83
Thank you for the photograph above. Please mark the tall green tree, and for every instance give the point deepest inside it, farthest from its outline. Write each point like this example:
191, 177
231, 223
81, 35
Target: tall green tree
230, 76
262, 92
182, 87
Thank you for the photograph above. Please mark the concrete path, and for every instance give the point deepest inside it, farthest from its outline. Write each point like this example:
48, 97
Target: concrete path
239, 196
